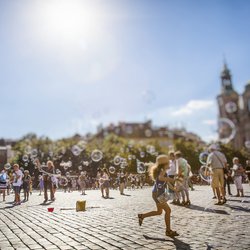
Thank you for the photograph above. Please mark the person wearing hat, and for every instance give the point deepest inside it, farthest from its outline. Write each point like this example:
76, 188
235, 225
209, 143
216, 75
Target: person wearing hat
158, 174
26, 184
217, 161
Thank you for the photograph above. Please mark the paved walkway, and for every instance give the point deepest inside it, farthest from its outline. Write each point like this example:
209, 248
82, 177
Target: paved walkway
112, 223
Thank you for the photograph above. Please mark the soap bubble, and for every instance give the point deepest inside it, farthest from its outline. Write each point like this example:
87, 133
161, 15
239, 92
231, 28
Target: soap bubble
141, 168
111, 170
205, 174
27, 150
247, 144
142, 154
117, 160
150, 149
7, 166
58, 171
203, 157
96, 155
76, 150
226, 129
79, 168
34, 153
25, 158
63, 181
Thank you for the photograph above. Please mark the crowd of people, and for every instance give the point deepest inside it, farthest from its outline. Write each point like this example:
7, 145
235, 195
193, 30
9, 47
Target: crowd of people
50, 180
170, 173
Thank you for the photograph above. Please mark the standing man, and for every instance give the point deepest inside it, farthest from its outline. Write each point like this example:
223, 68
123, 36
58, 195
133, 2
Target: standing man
171, 172
47, 182
217, 161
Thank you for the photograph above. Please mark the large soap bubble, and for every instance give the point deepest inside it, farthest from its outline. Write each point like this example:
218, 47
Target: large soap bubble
227, 130
205, 174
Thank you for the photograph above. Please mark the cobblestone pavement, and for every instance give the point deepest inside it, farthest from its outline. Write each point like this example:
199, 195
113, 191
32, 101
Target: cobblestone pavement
112, 223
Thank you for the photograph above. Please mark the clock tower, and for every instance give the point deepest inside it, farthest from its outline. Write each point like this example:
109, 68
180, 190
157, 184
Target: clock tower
229, 110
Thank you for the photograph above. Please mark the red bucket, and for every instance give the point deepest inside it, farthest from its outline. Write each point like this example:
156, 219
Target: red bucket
50, 209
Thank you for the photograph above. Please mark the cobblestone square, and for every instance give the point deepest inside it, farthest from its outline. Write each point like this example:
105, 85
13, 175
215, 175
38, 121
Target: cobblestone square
113, 224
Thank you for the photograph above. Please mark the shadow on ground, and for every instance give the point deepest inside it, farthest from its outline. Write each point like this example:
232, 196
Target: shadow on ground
178, 243
208, 210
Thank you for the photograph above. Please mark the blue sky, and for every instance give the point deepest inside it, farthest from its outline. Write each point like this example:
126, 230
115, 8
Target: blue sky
68, 65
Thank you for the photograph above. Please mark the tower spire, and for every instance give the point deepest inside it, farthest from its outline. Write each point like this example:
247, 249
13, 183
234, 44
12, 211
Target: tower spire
226, 79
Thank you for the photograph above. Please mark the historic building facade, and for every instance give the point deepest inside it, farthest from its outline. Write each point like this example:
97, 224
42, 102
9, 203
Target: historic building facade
234, 112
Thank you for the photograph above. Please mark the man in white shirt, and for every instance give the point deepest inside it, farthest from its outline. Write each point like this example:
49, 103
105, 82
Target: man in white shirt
17, 183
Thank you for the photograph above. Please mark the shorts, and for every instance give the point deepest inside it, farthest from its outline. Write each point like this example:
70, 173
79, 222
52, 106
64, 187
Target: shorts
217, 178
17, 189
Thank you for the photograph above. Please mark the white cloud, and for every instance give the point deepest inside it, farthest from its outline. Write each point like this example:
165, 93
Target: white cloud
210, 137
193, 106
209, 122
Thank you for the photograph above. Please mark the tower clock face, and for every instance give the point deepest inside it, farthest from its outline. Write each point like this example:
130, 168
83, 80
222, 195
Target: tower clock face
231, 107
227, 82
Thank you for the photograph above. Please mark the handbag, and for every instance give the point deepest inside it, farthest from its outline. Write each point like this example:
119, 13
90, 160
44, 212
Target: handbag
164, 198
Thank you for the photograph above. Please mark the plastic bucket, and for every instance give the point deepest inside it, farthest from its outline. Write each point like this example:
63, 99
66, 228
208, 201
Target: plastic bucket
50, 209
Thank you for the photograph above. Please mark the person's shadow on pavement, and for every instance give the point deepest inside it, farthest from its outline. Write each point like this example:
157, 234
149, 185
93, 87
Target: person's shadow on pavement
209, 210
178, 243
